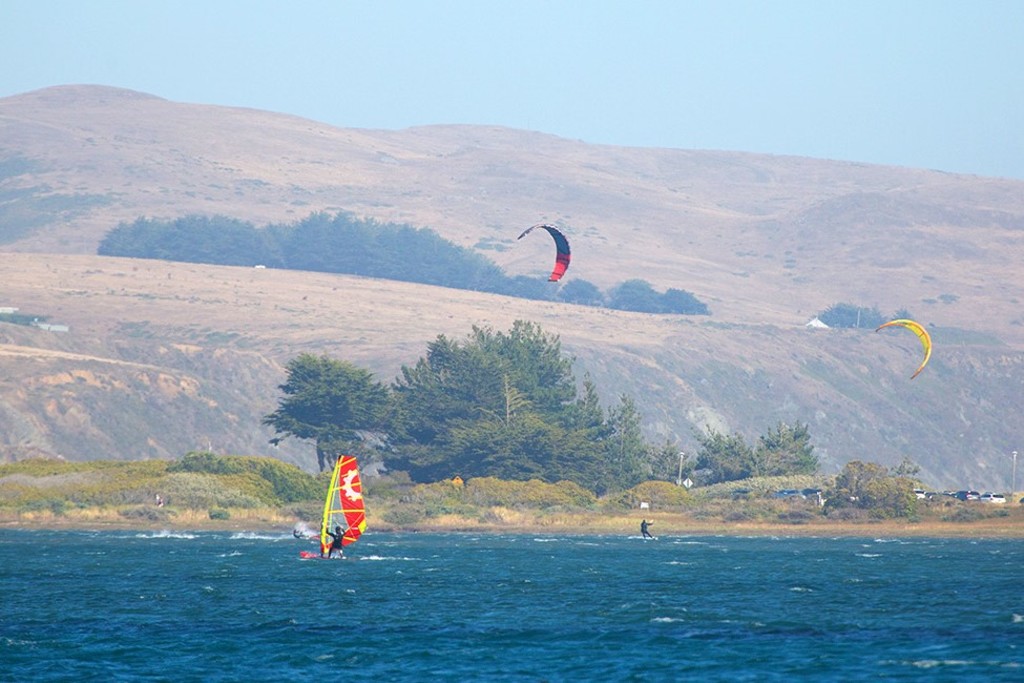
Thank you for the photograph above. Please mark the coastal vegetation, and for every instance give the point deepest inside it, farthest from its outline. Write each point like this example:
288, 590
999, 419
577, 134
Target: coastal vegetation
506, 405
204, 490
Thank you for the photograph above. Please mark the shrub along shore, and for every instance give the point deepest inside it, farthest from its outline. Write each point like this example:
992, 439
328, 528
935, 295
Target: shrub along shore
508, 520
205, 492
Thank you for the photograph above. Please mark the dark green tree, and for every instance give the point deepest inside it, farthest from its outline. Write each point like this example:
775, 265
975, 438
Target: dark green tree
635, 295
626, 452
328, 401
581, 292
849, 315
722, 458
518, 449
681, 301
195, 239
506, 405
343, 243
582, 457
786, 449
491, 380
528, 288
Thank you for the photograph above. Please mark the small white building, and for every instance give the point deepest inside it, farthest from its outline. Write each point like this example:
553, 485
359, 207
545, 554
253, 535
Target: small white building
52, 327
816, 324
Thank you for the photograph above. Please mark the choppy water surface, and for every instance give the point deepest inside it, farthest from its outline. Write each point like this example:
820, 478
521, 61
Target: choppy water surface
106, 606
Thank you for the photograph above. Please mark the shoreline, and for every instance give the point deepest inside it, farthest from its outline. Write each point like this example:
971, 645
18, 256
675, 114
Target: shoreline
578, 524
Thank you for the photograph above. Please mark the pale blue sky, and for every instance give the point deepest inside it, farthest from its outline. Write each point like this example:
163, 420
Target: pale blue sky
930, 84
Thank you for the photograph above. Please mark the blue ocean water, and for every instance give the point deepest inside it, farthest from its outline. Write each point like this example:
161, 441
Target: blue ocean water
123, 606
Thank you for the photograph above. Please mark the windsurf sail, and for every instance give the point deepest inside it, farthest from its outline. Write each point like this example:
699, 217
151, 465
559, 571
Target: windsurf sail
344, 504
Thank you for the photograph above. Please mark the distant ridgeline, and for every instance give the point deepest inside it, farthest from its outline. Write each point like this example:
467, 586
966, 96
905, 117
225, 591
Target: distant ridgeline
341, 243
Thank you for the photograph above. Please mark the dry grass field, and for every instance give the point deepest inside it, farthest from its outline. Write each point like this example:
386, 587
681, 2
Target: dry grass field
164, 357
761, 239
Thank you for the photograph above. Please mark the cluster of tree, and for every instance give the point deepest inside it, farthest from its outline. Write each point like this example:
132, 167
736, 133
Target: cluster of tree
22, 318
786, 449
496, 404
850, 315
860, 488
342, 243
872, 489
638, 295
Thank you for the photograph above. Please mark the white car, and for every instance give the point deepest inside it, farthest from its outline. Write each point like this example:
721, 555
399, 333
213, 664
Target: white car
988, 497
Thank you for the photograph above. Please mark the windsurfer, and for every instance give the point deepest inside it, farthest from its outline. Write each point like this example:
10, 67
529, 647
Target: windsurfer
643, 529
336, 543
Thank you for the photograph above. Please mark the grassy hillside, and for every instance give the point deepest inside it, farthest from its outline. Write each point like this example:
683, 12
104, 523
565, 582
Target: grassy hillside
759, 238
164, 358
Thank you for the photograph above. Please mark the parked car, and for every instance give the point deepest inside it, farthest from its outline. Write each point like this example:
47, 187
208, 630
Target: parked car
920, 493
989, 497
968, 495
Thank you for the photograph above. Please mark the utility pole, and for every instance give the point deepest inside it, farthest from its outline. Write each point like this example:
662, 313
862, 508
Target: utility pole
679, 478
1013, 482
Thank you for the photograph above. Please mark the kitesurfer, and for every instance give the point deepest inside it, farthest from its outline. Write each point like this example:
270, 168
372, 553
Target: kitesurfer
336, 543
643, 529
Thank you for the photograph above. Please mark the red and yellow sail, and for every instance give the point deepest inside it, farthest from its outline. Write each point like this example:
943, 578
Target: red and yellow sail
344, 504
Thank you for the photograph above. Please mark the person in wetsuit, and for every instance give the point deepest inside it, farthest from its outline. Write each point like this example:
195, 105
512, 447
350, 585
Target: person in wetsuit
336, 543
643, 529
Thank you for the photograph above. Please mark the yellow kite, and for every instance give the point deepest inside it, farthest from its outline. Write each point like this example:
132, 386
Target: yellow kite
922, 334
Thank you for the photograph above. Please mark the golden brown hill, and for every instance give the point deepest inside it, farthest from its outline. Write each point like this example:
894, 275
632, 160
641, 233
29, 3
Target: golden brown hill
760, 238
163, 357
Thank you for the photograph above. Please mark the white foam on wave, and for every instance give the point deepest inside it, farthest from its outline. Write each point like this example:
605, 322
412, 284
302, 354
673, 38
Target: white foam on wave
957, 663
253, 536
166, 534
384, 558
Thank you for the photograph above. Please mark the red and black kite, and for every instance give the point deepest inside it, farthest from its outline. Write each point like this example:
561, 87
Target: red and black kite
562, 254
